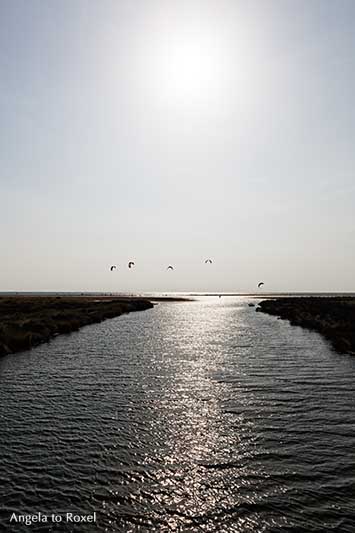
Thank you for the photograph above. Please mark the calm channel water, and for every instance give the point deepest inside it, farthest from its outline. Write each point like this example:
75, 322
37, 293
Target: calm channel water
197, 416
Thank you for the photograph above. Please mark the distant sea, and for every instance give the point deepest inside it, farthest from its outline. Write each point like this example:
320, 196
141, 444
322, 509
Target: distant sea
258, 294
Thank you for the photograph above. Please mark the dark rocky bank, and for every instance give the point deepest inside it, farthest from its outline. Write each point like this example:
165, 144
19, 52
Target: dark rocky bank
27, 321
333, 317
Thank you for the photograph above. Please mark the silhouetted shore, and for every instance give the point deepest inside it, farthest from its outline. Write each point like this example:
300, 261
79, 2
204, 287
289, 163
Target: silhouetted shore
26, 321
333, 317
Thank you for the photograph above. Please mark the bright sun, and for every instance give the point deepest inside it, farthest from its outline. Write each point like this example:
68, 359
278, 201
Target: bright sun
190, 69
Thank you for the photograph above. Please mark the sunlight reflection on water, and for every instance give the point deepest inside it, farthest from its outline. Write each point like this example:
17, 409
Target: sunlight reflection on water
199, 416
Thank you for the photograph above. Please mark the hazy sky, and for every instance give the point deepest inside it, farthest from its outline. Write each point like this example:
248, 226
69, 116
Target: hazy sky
169, 131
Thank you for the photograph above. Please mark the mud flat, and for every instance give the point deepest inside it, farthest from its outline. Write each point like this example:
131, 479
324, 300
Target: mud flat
26, 321
333, 317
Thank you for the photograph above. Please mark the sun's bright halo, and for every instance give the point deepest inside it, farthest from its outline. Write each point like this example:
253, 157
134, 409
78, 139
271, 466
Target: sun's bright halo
190, 69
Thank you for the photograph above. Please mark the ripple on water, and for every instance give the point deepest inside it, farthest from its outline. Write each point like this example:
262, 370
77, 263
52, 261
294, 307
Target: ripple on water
202, 416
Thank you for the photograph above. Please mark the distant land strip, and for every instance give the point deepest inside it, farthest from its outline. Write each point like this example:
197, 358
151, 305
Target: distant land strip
333, 317
26, 321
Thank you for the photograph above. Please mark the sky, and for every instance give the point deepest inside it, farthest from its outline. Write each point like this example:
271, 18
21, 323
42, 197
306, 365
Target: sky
172, 131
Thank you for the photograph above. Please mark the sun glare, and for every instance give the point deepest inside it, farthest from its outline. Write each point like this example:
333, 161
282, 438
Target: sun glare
190, 69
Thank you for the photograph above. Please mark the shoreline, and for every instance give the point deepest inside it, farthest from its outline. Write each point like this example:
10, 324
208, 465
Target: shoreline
27, 321
332, 317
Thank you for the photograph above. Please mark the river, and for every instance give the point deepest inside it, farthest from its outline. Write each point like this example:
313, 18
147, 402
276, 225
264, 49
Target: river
195, 416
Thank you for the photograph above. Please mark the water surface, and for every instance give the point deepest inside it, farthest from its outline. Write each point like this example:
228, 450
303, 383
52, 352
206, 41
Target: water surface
195, 416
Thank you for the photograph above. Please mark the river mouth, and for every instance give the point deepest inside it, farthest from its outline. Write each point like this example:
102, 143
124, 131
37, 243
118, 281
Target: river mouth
202, 416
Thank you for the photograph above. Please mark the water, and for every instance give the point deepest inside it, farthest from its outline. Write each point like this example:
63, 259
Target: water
196, 416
